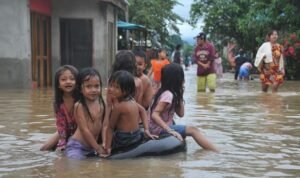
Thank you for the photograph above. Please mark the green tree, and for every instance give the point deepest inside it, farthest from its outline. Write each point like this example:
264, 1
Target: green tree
245, 21
172, 41
187, 49
155, 14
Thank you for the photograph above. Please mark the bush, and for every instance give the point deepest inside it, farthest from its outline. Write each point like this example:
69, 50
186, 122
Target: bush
291, 44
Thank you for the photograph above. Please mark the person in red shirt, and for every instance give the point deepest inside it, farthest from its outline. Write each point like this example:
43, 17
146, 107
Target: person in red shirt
204, 54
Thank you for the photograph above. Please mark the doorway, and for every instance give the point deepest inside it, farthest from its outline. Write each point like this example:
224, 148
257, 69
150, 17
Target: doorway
76, 42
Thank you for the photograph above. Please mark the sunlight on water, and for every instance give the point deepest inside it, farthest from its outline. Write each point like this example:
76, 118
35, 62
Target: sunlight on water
258, 135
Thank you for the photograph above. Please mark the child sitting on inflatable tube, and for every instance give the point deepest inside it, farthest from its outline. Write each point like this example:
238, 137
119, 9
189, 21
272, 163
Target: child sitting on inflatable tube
89, 112
123, 125
169, 100
65, 94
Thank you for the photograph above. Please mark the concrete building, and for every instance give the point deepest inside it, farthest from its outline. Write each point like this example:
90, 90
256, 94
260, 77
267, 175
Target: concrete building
38, 36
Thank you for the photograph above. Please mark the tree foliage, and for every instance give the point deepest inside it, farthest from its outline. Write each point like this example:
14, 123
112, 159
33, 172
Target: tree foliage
173, 40
155, 14
187, 49
246, 21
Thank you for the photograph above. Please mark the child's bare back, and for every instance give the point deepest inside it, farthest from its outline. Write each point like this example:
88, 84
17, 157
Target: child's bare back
127, 113
148, 91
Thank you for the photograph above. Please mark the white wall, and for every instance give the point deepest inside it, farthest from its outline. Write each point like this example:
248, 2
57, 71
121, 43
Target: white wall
15, 46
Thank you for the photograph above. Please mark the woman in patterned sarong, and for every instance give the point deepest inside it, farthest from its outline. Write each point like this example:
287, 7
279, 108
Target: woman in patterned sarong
269, 61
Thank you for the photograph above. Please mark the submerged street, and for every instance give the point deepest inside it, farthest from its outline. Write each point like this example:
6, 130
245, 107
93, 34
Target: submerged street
258, 135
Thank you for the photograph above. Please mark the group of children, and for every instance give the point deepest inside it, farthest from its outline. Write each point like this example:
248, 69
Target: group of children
89, 126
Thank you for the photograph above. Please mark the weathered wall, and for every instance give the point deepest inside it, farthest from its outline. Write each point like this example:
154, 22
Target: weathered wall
100, 13
15, 48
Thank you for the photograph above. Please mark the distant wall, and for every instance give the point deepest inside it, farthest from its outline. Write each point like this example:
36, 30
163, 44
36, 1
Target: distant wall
15, 48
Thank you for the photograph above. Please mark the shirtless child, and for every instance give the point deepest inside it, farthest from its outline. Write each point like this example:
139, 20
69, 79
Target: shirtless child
89, 114
123, 126
141, 66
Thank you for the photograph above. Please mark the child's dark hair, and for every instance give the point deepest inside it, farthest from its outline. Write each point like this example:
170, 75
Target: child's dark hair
125, 80
159, 50
85, 75
139, 53
172, 78
125, 60
58, 93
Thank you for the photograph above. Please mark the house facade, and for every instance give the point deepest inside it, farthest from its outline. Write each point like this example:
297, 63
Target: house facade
38, 36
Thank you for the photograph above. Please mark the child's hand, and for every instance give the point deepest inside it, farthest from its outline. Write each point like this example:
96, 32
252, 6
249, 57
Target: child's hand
104, 152
45, 147
148, 134
61, 148
176, 134
109, 100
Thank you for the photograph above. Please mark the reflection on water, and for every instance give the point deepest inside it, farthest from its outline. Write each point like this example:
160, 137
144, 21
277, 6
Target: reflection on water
258, 134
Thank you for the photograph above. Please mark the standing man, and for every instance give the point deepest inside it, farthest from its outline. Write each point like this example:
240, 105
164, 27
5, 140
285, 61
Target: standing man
204, 54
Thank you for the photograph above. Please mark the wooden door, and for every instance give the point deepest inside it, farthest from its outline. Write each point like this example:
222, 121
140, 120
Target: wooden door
40, 49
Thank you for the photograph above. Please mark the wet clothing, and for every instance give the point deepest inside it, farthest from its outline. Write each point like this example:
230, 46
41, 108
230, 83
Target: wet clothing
205, 54
65, 124
178, 128
273, 76
77, 150
206, 76
269, 61
167, 116
125, 139
239, 61
244, 71
209, 80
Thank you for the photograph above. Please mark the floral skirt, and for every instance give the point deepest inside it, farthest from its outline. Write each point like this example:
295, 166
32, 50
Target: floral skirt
271, 76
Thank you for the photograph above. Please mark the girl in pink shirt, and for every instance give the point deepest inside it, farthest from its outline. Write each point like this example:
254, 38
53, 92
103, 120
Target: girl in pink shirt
169, 100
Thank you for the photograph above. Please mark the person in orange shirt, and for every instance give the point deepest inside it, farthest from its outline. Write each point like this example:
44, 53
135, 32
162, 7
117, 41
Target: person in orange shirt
156, 66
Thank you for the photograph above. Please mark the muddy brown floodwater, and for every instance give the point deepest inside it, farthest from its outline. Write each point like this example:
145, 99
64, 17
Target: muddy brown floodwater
258, 135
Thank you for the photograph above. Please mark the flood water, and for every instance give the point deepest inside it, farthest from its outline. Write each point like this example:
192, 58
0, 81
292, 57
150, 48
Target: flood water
258, 135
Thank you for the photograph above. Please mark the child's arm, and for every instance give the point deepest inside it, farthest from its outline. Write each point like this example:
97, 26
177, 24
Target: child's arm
139, 90
180, 110
104, 131
113, 120
150, 72
82, 125
108, 109
143, 116
61, 126
50, 143
205, 66
156, 116
148, 94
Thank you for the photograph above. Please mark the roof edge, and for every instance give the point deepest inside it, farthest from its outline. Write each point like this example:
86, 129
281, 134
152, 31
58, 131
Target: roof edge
122, 4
